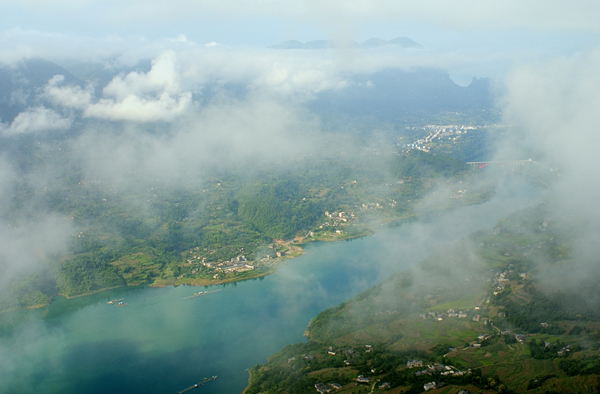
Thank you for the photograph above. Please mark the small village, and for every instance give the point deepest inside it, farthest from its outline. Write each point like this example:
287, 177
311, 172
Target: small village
239, 264
336, 220
434, 370
450, 313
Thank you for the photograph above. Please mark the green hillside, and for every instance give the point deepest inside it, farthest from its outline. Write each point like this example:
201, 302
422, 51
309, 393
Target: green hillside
221, 227
481, 317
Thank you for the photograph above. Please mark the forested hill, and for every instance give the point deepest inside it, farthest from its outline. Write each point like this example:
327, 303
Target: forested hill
486, 315
423, 165
277, 209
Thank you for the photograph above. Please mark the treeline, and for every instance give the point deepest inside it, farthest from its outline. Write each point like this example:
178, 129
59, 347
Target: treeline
542, 351
278, 208
291, 373
580, 366
548, 308
418, 164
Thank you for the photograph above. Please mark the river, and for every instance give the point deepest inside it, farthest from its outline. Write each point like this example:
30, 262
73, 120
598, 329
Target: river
162, 343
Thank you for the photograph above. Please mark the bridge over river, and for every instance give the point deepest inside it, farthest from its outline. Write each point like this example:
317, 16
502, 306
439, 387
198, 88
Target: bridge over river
511, 164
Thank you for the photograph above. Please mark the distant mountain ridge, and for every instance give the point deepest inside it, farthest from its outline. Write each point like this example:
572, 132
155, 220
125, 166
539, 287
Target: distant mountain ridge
394, 96
403, 42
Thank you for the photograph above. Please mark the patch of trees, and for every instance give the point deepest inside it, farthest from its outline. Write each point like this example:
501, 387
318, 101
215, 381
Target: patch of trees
418, 164
34, 289
543, 308
384, 361
407, 377
540, 351
539, 381
329, 324
277, 209
440, 349
579, 366
86, 273
279, 380
289, 371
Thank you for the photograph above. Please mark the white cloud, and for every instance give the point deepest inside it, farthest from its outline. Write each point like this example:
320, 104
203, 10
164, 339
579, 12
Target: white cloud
299, 78
142, 97
232, 134
461, 14
163, 77
138, 109
556, 107
68, 96
32, 243
36, 120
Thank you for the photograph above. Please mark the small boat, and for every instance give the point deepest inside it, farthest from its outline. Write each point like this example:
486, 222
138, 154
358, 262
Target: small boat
201, 293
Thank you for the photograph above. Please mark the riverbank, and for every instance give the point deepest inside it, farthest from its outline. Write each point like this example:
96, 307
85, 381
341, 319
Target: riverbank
89, 293
294, 248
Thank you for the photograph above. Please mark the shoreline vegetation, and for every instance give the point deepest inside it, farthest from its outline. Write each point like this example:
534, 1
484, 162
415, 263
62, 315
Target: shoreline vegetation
295, 245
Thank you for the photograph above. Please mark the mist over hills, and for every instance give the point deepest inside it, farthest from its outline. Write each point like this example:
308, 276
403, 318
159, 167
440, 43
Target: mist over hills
20, 84
392, 95
403, 42
76, 142
101, 73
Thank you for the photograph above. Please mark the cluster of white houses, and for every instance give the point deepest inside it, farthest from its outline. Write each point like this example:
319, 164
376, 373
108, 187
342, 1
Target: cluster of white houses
435, 385
326, 388
438, 132
440, 369
337, 218
443, 315
236, 264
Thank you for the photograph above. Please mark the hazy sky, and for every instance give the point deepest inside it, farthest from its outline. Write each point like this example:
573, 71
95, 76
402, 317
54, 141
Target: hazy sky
263, 22
494, 30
